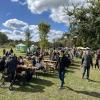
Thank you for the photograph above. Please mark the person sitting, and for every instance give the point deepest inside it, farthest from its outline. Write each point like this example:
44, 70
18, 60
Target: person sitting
40, 65
20, 60
33, 61
55, 56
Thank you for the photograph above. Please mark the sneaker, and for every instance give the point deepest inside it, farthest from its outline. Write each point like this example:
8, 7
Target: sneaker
61, 87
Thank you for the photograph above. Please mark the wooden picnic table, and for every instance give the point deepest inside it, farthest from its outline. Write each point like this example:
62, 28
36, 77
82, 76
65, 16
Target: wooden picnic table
49, 61
27, 66
50, 64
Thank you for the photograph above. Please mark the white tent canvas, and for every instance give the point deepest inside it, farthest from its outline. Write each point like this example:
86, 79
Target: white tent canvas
21, 47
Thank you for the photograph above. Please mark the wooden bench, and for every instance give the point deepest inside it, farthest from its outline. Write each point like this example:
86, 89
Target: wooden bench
49, 64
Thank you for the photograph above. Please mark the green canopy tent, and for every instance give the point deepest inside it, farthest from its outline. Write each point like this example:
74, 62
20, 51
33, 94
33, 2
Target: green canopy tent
21, 47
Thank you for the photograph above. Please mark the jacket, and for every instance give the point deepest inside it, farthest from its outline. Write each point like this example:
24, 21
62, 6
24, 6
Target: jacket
87, 61
63, 62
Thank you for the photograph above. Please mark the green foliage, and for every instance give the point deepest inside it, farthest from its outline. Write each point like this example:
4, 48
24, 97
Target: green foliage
43, 31
3, 38
28, 38
87, 24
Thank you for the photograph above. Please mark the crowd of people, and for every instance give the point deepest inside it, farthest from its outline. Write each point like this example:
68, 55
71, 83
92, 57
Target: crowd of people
64, 58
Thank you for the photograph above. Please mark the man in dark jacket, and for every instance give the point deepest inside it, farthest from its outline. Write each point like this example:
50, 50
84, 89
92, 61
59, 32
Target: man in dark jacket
62, 64
2, 63
86, 63
11, 66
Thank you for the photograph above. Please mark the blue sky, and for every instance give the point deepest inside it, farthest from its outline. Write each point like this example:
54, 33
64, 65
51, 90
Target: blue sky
9, 10
31, 13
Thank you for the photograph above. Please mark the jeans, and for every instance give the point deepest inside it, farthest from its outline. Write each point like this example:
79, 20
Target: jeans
61, 76
87, 71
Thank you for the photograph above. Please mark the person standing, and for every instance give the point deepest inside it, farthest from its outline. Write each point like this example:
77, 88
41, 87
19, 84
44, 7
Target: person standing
63, 62
11, 51
97, 60
4, 51
11, 66
2, 63
86, 63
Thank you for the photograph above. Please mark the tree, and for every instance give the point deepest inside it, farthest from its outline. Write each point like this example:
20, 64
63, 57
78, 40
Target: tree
28, 38
3, 38
43, 32
86, 24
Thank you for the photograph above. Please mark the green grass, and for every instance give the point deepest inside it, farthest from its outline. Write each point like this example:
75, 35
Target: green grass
18, 53
46, 87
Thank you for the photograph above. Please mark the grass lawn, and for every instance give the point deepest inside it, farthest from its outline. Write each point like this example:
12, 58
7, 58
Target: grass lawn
8, 49
46, 87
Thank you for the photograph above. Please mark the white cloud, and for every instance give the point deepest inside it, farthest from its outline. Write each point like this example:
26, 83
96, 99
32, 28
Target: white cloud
54, 34
19, 27
17, 32
56, 7
33, 29
15, 37
39, 6
21, 2
35, 37
14, 0
15, 24
6, 31
58, 15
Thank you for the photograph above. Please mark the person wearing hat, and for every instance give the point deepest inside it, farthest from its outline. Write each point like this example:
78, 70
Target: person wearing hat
63, 62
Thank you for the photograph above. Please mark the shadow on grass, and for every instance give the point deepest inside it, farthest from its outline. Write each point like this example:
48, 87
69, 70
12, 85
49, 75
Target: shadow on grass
93, 94
94, 81
51, 75
75, 64
42, 82
36, 85
30, 88
74, 67
69, 71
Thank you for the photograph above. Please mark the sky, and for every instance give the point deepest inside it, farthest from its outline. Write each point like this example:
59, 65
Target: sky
16, 16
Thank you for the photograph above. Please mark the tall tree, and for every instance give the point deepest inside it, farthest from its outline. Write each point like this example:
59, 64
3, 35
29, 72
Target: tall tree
3, 38
43, 32
86, 24
28, 38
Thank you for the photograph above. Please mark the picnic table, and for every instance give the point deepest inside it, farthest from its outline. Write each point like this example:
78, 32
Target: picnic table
49, 64
27, 66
